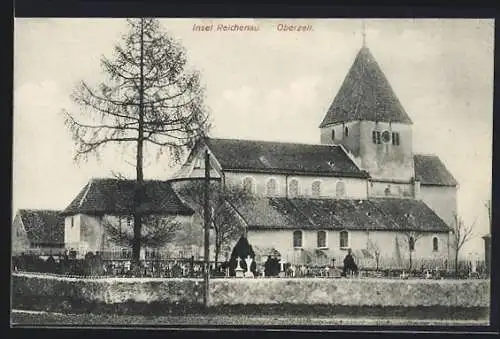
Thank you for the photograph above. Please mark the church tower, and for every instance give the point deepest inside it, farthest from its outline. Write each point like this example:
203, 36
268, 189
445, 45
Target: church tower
367, 118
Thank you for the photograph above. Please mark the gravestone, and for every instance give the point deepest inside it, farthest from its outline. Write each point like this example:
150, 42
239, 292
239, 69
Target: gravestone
238, 270
282, 269
242, 249
248, 273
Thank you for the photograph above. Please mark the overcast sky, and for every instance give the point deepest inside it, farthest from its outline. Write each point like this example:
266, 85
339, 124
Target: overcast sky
267, 85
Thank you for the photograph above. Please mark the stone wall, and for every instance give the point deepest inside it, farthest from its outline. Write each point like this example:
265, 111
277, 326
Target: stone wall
304, 291
351, 292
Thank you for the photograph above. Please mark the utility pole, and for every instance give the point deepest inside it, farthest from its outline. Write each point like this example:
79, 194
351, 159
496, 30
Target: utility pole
206, 212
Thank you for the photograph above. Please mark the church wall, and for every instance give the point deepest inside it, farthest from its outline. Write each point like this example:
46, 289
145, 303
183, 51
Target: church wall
441, 199
354, 188
351, 141
385, 241
385, 160
389, 189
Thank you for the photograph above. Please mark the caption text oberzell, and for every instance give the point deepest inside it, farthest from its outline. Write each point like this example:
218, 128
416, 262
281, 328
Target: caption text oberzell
249, 28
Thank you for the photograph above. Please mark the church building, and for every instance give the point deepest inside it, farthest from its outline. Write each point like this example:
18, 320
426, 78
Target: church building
361, 187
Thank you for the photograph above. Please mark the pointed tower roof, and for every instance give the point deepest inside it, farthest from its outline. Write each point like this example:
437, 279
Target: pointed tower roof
365, 94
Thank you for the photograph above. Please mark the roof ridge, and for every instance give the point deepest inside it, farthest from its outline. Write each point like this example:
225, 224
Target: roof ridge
38, 210
427, 154
89, 184
275, 142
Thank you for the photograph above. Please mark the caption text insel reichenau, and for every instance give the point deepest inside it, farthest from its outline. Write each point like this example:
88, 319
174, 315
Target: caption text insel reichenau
249, 28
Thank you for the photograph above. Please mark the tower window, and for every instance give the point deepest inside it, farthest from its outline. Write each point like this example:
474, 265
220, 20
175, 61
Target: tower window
411, 243
297, 239
321, 239
316, 189
294, 188
435, 244
346, 131
376, 137
248, 185
333, 134
344, 239
395, 138
271, 187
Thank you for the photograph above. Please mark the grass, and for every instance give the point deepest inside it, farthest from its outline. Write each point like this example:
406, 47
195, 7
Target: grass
109, 320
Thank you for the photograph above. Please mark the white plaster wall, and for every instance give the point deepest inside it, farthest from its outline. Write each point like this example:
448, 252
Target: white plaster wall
354, 188
72, 233
377, 189
442, 200
282, 240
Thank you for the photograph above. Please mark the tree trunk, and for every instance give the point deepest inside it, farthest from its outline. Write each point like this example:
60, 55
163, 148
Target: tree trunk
139, 189
456, 263
410, 261
216, 250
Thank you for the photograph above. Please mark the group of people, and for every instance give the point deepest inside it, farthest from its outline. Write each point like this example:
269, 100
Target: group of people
272, 267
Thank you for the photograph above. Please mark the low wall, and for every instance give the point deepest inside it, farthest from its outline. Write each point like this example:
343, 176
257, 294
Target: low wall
304, 291
110, 290
352, 292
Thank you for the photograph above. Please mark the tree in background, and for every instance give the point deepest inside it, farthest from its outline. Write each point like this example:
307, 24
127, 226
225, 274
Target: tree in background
411, 238
373, 247
147, 99
224, 202
461, 234
156, 231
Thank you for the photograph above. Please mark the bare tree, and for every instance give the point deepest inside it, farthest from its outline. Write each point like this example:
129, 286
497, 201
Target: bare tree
156, 231
462, 234
148, 100
224, 202
411, 238
375, 249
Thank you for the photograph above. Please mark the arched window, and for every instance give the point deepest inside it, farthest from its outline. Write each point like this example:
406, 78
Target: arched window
333, 135
340, 189
411, 243
248, 184
435, 244
297, 239
321, 239
271, 187
346, 131
316, 189
293, 188
344, 239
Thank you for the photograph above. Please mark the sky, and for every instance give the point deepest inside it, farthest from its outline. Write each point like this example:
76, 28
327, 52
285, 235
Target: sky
267, 85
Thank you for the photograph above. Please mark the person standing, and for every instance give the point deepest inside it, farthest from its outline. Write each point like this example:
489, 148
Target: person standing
350, 266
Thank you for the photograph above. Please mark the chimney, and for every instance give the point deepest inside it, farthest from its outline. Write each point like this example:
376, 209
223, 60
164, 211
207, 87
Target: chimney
416, 188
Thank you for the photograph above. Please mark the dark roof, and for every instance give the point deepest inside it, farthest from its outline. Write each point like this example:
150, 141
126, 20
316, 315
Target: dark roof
390, 214
365, 94
431, 171
278, 157
43, 226
114, 196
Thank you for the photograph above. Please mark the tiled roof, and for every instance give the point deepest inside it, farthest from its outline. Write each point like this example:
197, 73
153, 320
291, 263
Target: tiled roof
114, 196
365, 94
431, 171
390, 214
43, 226
277, 157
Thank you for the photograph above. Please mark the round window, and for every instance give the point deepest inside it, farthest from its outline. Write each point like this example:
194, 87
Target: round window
386, 136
